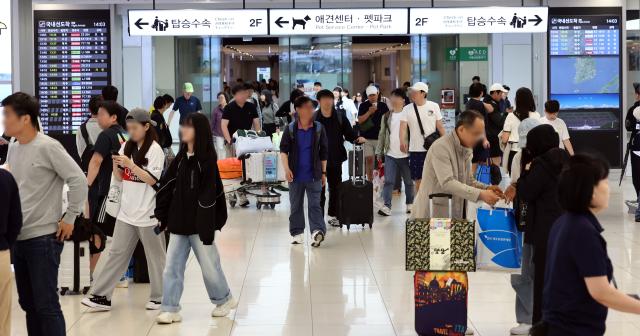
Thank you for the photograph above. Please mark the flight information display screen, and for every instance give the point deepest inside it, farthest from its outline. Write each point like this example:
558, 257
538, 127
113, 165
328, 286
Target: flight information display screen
72, 63
584, 74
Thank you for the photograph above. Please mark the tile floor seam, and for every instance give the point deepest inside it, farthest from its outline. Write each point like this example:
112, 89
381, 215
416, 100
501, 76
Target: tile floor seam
244, 279
386, 309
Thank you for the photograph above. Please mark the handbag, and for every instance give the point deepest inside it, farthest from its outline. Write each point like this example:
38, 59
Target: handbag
431, 138
113, 198
488, 173
499, 243
520, 208
248, 141
440, 244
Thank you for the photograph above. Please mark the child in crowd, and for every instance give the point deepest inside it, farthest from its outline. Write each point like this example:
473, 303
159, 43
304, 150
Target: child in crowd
138, 165
551, 111
192, 205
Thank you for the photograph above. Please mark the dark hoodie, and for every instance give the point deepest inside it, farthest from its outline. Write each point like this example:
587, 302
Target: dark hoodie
539, 188
191, 198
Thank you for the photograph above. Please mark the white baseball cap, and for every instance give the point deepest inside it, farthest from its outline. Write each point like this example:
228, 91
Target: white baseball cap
497, 87
420, 86
371, 90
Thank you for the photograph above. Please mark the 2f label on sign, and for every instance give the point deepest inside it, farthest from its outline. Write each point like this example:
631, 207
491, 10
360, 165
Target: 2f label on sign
422, 21
255, 22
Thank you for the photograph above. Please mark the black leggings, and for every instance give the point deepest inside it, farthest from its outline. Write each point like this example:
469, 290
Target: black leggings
334, 179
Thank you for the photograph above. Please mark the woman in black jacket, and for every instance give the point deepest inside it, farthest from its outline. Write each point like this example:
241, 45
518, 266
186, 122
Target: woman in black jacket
191, 204
542, 163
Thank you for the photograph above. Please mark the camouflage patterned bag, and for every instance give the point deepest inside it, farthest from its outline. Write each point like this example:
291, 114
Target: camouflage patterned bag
439, 244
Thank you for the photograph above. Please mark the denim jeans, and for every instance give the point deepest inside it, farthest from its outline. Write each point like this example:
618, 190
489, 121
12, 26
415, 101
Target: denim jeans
173, 277
297, 191
523, 285
392, 168
36, 263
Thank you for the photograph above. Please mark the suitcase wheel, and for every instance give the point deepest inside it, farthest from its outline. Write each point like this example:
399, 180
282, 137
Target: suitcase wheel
64, 290
232, 204
370, 225
258, 205
272, 206
85, 290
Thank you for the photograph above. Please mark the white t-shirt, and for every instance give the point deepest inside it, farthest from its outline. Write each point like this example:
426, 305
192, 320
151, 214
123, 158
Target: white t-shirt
560, 127
394, 134
429, 114
511, 125
138, 198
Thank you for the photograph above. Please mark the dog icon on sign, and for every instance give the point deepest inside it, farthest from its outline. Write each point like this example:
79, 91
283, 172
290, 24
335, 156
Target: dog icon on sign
300, 22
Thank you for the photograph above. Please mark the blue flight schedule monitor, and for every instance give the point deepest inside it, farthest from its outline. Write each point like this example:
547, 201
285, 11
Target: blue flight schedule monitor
585, 76
72, 63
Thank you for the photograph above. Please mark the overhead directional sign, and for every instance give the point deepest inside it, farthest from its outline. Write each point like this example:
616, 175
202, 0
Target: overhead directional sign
198, 22
478, 20
374, 21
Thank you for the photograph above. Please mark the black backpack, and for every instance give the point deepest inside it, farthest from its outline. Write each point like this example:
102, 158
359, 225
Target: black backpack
87, 154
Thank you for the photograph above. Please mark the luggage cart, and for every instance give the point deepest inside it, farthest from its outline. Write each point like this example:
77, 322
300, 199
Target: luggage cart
261, 178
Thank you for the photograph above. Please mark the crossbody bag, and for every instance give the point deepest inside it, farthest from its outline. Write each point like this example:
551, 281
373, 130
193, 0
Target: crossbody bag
431, 138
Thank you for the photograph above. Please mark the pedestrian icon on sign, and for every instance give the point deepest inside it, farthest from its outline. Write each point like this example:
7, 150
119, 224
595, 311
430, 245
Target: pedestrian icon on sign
518, 22
160, 25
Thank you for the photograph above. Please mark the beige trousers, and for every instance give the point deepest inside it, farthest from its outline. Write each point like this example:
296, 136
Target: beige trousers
6, 278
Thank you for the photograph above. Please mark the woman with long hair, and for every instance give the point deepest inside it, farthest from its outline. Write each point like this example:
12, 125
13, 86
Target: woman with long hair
139, 166
269, 108
525, 108
192, 205
216, 122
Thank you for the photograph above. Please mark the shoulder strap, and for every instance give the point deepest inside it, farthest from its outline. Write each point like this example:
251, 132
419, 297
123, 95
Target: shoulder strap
85, 133
415, 108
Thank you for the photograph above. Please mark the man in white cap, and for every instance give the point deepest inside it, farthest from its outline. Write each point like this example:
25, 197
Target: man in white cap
495, 120
186, 104
369, 118
423, 120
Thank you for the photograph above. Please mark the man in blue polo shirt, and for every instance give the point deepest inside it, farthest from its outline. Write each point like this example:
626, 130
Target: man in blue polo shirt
185, 104
304, 151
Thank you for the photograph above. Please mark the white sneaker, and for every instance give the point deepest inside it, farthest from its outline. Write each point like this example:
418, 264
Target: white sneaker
409, 208
153, 305
243, 201
521, 329
225, 308
384, 211
318, 237
333, 221
123, 283
298, 239
168, 318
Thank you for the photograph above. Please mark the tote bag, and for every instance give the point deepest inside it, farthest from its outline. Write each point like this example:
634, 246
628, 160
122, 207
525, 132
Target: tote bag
499, 242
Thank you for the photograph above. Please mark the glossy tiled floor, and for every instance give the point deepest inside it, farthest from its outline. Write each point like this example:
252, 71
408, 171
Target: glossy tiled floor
353, 285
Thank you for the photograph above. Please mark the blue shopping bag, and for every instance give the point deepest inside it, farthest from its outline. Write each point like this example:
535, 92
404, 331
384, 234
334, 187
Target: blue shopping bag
499, 243
483, 174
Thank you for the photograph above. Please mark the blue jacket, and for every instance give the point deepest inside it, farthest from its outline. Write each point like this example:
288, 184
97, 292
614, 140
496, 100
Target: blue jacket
320, 146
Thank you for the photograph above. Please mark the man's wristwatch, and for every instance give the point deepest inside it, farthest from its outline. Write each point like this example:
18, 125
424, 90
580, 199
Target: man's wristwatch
324, 173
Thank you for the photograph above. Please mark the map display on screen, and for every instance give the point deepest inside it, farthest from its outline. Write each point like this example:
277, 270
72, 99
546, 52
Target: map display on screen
585, 74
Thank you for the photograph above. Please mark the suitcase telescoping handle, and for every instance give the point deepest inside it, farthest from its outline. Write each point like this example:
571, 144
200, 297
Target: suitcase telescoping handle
358, 178
440, 195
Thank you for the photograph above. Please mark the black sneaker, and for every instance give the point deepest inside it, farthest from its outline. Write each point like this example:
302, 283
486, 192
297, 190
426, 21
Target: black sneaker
97, 302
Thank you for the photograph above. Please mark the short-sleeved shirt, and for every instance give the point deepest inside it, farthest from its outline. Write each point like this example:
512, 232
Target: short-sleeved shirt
186, 107
394, 135
304, 166
478, 106
511, 125
429, 115
376, 118
110, 140
560, 127
239, 117
576, 250
139, 198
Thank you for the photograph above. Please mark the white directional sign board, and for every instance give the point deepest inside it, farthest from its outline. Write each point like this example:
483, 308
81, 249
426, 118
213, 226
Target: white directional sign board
198, 22
478, 20
375, 21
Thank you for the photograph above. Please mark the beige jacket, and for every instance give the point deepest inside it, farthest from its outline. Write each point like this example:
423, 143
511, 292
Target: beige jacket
447, 169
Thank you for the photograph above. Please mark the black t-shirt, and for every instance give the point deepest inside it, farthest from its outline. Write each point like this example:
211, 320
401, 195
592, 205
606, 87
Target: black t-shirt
109, 140
239, 117
372, 132
576, 250
495, 121
476, 105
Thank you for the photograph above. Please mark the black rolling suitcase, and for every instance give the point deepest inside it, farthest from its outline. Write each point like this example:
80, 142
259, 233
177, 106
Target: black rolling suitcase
356, 194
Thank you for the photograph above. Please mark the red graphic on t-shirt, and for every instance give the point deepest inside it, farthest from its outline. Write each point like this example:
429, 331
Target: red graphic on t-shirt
128, 175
